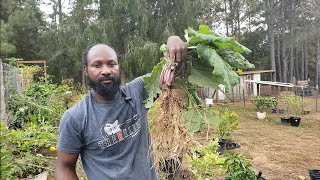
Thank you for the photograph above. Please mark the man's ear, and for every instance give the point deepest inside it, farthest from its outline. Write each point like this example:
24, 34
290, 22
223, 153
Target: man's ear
85, 69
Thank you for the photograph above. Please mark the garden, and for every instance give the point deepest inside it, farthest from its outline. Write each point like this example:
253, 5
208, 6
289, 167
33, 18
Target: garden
277, 150
189, 140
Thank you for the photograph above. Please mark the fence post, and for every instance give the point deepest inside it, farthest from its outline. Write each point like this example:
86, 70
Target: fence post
2, 100
244, 99
317, 94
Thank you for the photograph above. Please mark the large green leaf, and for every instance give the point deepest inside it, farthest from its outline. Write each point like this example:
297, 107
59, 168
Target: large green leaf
235, 59
196, 38
201, 75
205, 36
221, 69
196, 117
152, 85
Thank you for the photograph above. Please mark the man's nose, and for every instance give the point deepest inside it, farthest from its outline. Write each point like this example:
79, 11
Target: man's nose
106, 71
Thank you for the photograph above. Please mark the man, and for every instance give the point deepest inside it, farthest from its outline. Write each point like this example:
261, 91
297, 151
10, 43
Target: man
109, 127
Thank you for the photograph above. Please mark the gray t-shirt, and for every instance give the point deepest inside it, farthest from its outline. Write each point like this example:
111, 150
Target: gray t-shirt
111, 137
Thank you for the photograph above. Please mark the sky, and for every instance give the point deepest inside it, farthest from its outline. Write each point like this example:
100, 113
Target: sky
46, 7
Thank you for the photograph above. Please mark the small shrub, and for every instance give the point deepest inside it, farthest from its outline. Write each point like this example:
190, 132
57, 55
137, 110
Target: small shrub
262, 103
227, 124
206, 162
293, 104
239, 167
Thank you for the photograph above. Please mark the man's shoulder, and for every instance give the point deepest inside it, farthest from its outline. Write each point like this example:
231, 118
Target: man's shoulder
80, 107
135, 84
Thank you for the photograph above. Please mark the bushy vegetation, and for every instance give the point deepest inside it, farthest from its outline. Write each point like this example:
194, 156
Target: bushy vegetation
262, 103
32, 131
39, 103
20, 149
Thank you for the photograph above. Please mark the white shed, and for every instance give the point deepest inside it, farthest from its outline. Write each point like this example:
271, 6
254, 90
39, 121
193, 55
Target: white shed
245, 89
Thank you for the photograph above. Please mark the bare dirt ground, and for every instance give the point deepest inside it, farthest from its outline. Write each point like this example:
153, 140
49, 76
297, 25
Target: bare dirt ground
279, 151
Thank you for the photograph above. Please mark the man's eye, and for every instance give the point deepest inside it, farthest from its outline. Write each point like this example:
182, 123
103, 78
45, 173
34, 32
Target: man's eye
96, 65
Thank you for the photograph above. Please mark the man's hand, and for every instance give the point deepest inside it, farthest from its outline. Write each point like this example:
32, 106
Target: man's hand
176, 48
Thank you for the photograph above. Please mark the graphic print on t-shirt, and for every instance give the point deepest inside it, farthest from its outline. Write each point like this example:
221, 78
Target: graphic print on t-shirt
111, 128
115, 133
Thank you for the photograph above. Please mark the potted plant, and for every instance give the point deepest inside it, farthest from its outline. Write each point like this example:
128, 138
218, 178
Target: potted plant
274, 105
261, 104
293, 105
239, 167
228, 122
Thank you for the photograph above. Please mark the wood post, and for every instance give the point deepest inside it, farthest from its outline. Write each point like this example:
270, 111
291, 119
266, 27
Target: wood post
2, 100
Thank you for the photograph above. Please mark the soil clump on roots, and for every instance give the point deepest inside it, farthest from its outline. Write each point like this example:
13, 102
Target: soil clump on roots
170, 140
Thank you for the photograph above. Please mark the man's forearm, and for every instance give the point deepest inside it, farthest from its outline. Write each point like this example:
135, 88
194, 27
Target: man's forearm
65, 173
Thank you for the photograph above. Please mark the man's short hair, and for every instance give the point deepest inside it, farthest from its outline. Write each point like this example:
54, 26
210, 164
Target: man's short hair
86, 51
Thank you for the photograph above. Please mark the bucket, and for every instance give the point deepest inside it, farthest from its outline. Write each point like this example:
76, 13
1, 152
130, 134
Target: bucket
209, 102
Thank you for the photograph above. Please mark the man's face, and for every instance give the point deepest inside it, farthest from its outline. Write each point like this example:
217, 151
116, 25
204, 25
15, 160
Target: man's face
103, 72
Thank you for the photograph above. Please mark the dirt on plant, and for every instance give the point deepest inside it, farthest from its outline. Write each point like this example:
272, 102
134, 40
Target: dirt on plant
279, 151
170, 140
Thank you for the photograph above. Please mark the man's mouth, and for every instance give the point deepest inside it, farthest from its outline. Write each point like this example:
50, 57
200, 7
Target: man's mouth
107, 81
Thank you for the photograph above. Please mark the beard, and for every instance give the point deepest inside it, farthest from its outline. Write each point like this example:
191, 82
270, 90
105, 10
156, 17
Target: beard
108, 90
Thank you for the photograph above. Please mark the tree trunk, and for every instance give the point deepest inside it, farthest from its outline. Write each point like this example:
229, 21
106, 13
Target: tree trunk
60, 11
302, 61
291, 57
279, 57
271, 38
226, 16
231, 17
306, 61
284, 58
318, 63
238, 21
296, 67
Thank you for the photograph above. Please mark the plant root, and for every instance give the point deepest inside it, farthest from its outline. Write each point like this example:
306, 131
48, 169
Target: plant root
170, 140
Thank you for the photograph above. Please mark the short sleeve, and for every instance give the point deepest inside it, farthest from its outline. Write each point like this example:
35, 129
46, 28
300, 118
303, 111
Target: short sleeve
138, 85
70, 139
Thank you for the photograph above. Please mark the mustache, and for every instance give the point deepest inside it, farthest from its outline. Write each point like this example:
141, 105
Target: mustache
106, 79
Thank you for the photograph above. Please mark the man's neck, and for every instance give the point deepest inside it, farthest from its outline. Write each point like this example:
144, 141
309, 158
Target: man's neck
100, 98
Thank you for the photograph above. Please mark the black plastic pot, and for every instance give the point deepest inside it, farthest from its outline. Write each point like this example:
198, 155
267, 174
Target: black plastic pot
295, 121
314, 174
285, 121
222, 149
232, 145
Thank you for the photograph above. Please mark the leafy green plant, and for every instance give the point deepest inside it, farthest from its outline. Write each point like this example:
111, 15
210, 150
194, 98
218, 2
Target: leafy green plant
228, 122
39, 102
5, 162
293, 104
20, 146
262, 103
195, 118
239, 167
206, 162
212, 60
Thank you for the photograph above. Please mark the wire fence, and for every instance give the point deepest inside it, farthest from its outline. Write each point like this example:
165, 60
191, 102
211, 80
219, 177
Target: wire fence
11, 79
244, 93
